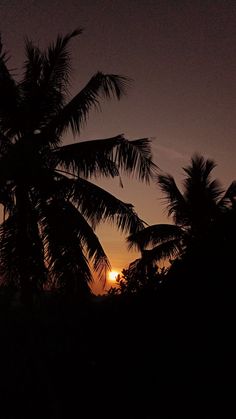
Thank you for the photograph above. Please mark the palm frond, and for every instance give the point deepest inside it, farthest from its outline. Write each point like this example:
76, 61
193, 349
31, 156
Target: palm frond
200, 167
98, 205
91, 243
33, 65
105, 157
41, 99
57, 63
67, 263
201, 193
89, 158
155, 234
9, 95
75, 113
5, 74
79, 228
176, 203
228, 198
198, 183
135, 158
45, 81
214, 190
169, 249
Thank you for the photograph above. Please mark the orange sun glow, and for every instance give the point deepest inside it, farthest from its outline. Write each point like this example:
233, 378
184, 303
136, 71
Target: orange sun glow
113, 275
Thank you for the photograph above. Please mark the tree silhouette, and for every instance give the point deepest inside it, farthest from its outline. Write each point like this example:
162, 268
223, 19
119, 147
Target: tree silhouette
51, 207
202, 216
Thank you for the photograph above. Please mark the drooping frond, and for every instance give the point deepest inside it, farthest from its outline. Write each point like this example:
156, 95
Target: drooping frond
89, 158
166, 250
107, 156
214, 190
176, 203
141, 270
98, 205
75, 113
51, 208
89, 242
228, 198
66, 261
155, 234
135, 158
78, 228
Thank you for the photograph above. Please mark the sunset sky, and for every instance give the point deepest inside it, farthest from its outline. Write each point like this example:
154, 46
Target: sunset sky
181, 55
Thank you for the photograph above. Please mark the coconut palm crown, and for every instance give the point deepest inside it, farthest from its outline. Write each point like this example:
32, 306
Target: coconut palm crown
50, 205
202, 208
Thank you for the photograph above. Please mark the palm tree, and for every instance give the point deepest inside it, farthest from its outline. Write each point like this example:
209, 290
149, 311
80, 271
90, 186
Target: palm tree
200, 214
50, 205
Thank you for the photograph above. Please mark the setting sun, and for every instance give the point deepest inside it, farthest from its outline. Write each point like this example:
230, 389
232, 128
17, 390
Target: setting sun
113, 275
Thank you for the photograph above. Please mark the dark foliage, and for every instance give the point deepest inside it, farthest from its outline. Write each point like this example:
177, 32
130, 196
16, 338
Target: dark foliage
51, 207
164, 355
204, 229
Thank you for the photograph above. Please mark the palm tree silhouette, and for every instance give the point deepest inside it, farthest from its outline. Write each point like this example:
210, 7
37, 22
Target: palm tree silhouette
200, 214
51, 207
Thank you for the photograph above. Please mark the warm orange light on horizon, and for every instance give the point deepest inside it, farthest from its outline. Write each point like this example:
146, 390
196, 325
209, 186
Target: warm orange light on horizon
113, 275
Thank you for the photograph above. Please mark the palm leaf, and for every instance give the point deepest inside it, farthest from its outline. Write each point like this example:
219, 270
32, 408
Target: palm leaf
228, 197
33, 65
57, 63
105, 157
155, 234
41, 99
167, 250
65, 259
79, 228
176, 204
200, 167
74, 114
45, 81
198, 184
98, 205
9, 95
89, 158
135, 158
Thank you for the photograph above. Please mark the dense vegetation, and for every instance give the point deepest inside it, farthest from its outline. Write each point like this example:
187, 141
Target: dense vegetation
203, 232
162, 346
51, 207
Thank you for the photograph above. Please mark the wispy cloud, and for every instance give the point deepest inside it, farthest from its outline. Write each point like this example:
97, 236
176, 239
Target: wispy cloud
169, 152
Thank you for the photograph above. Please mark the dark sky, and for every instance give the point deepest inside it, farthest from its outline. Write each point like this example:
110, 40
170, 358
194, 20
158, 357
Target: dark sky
182, 58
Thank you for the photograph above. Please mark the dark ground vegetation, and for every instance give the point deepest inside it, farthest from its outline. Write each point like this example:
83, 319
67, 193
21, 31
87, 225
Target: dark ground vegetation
162, 354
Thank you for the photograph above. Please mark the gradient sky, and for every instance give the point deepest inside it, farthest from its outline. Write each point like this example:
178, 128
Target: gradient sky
181, 55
